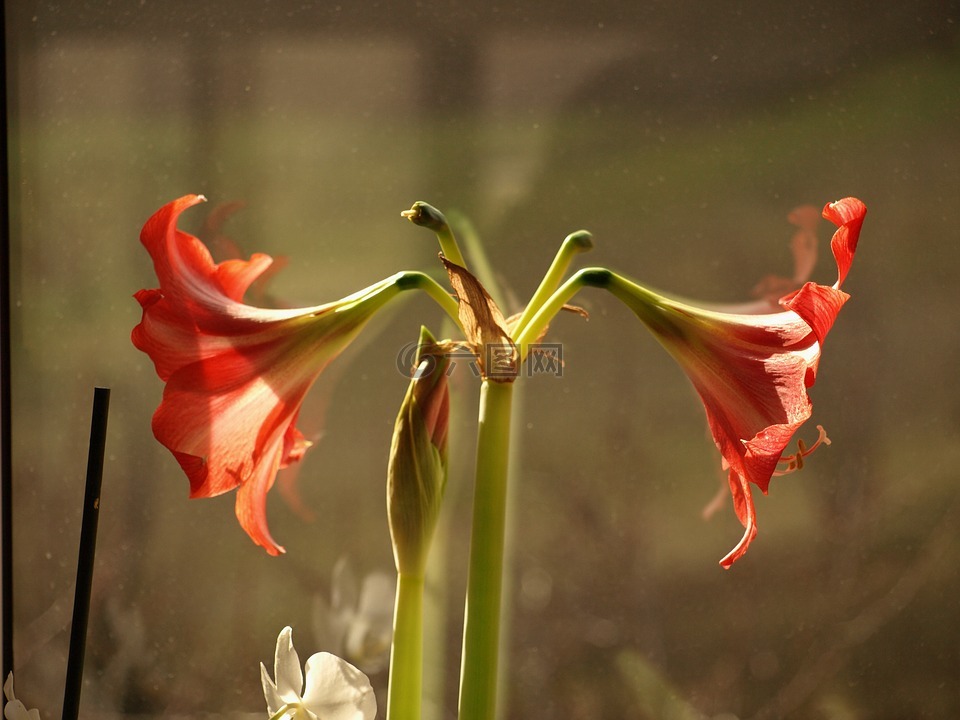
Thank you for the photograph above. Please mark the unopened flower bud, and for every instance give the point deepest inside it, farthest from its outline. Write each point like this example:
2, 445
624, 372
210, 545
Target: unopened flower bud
417, 470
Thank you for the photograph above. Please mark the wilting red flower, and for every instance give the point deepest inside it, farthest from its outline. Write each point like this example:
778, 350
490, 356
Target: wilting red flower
752, 372
235, 374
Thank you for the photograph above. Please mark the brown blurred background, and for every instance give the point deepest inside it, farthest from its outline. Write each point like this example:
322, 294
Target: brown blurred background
681, 134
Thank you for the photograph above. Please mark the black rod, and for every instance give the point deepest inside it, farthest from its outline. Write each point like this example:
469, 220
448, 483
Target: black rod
6, 413
88, 547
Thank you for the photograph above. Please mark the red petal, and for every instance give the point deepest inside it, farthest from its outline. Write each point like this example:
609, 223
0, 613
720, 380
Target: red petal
236, 276
818, 305
251, 506
146, 298
186, 271
848, 215
764, 450
226, 410
743, 505
236, 374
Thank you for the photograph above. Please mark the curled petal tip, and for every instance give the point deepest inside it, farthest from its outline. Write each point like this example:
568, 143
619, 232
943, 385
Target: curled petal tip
746, 514
187, 201
844, 210
847, 214
749, 533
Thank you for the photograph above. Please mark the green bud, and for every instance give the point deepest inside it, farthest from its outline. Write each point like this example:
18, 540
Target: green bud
426, 215
417, 469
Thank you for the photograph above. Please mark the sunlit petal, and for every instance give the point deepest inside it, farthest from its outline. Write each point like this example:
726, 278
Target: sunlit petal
336, 690
14, 709
235, 374
286, 667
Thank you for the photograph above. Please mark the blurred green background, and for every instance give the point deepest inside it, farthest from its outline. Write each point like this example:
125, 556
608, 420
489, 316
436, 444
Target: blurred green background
681, 134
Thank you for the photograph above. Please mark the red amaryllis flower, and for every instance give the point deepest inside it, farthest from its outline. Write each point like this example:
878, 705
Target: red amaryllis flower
752, 372
235, 374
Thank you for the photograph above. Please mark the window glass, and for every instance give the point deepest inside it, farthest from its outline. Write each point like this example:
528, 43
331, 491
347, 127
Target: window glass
681, 135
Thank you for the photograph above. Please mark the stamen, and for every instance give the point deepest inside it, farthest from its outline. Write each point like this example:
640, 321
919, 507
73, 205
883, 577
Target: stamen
285, 709
795, 462
798, 458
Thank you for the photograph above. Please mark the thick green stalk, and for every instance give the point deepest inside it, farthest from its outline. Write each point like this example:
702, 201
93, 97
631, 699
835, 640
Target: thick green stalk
481, 631
406, 658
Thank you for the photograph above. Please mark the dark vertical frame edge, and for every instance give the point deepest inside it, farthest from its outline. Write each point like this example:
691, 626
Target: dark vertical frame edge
6, 408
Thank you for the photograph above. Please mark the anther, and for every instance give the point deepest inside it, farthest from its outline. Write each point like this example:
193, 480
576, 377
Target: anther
794, 462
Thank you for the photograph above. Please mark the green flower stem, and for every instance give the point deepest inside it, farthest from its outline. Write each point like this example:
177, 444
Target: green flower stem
284, 709
406, 657
479, 262
428, 216
412, 279
592, 277
481, 631
631, 293
648, 305
436, 671
572, 245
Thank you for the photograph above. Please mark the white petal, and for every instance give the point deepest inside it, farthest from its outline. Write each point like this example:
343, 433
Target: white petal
16, 710
8, 687
286, 667
336, 690
270, 694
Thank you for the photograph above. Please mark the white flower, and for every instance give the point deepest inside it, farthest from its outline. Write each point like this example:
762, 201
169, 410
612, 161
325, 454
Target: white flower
14, 709
335, 689
358, 621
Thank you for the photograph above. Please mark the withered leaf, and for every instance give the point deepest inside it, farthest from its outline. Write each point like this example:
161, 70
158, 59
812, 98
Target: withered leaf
483, 325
